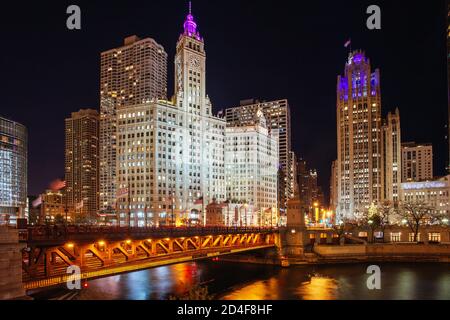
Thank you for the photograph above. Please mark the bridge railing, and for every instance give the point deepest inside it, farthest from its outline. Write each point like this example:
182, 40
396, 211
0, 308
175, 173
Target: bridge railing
72, 233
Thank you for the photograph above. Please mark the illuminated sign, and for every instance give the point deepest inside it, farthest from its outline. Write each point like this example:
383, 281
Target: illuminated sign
424, 185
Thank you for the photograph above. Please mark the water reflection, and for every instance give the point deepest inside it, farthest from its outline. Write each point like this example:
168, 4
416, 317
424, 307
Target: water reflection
318, 288
231, 281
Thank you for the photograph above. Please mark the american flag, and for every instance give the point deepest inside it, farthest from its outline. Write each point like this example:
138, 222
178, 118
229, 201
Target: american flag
36, 203
79, 205
122, 192
199, 201
349, 42
57, 185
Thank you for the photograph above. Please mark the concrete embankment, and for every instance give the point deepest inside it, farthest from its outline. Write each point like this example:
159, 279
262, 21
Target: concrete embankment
334, 254
383, 252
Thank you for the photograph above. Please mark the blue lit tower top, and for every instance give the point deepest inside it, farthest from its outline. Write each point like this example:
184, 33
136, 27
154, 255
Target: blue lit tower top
358, 80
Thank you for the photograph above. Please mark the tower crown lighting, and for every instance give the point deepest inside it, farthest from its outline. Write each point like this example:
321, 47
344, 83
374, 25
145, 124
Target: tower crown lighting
190, 26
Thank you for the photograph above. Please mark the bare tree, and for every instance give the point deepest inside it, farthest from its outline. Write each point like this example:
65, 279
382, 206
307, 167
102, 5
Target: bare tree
385, 211
415, 214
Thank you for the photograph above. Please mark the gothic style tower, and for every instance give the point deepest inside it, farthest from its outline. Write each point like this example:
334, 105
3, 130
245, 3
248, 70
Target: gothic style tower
359, 163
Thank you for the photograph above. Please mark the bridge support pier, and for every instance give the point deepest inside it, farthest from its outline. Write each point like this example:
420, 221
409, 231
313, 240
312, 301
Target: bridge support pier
11, 286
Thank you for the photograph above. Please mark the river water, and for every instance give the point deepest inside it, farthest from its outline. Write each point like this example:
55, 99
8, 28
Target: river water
225, 280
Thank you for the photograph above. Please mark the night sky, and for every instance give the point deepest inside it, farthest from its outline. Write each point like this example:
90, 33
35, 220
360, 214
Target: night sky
255, 49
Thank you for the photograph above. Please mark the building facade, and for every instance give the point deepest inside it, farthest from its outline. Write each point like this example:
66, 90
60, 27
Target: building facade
13, 170
359, 163
417, 162
434, 193
52, 206
392, 162
278, 117
171, 154
82, 164
132, 74
251, 169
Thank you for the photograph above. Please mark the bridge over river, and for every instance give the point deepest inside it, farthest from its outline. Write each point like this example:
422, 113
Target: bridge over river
102, 251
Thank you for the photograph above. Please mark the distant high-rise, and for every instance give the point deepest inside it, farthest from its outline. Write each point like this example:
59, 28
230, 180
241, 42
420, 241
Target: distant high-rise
417, 162
310, 192
13, 170
133, 74
81, 164
359, 163
392, 162
251, 169
278, 118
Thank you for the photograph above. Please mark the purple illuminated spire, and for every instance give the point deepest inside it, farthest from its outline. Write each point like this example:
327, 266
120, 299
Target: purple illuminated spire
190, 27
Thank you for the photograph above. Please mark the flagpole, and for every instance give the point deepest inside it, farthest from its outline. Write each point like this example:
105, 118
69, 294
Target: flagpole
203, 210
129, 207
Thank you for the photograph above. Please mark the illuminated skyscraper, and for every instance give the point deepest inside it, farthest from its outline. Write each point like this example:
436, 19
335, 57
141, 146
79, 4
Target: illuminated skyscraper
278, 116
171, 153
81, 164
13, 170
251, 169
133, 74
359, 163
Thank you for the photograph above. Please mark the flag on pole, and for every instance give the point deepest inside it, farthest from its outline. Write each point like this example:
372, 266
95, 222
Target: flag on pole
348, 43
57, 185
36, 203
123, 192
79, 205
199, 200
224, 204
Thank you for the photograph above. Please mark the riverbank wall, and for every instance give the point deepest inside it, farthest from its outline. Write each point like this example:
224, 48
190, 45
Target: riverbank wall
407, 252
338, 254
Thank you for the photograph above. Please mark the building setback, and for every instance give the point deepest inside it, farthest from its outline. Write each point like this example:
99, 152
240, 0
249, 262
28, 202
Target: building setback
81, 164
170, 159
13, 170
132, 74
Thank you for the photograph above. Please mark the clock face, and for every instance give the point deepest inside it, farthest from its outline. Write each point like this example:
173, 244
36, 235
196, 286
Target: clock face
195, 63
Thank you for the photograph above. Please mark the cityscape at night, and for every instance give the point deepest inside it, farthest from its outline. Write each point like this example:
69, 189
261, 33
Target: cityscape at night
225, 151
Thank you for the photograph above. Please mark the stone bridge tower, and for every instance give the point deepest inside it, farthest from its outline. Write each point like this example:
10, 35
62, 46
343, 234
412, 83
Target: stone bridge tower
294, 237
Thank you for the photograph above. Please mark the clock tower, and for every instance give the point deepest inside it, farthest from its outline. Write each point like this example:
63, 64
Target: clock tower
190, 70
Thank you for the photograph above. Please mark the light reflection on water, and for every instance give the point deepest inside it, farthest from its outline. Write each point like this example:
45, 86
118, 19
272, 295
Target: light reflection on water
231, 281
